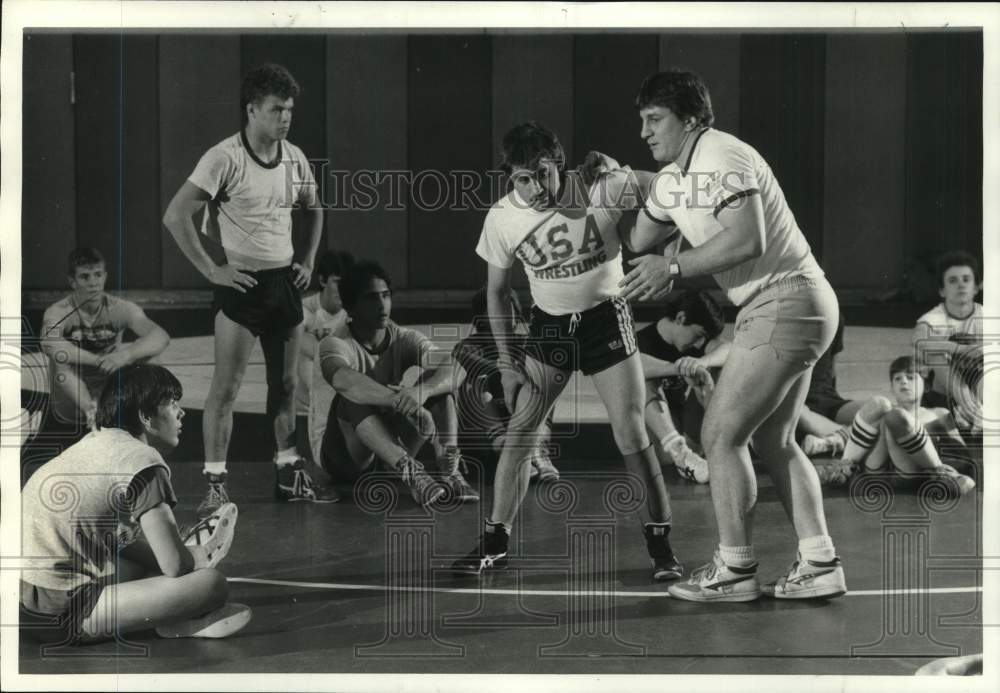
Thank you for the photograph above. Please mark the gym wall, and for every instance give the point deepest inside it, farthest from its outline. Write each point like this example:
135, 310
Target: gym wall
876, 137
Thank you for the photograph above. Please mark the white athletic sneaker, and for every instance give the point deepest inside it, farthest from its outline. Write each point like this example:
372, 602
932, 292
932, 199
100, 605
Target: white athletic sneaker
221, 623
210, 539
834, 472
690, 464
815, 446
542, 467
808, 579
718, 582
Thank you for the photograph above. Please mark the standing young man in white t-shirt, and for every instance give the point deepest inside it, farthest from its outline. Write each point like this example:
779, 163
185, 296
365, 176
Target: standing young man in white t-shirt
726, 202
250, 182
569, 245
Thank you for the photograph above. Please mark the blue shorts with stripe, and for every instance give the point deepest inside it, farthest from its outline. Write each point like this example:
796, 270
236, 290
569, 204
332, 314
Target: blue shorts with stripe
590, 341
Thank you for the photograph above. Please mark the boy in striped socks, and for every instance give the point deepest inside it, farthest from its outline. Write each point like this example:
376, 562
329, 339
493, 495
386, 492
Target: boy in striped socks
905, 432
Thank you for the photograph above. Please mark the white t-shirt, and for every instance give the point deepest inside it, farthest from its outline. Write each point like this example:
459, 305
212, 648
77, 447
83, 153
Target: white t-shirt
76, 509
942, 325
251, 207
719, 172
402, 349
573, 260
319, 323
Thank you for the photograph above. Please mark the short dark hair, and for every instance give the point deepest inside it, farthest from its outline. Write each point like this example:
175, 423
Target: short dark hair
699, 309
134, 389
266, 80
355, 280
526, 144
481, 312
333, 262
83, 257
682, 91
957, 258
903, 364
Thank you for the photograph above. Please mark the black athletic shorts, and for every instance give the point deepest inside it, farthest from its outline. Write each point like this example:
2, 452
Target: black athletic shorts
274, 305
825, 404
54, 616
590, 341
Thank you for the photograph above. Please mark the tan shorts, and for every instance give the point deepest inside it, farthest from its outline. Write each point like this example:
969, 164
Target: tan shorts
795, 317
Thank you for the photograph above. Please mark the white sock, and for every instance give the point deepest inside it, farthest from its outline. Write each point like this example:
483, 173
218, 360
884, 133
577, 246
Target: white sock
492, 527
861, 440
286, 456
672, 444
818, 548
737, 556
215, 468
670, 439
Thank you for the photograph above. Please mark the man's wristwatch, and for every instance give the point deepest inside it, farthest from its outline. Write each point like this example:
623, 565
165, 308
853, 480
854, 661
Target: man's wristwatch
674, 268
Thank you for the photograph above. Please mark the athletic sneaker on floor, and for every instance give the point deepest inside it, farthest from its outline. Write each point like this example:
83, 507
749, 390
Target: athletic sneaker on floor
543, 469
217, 495
293, 483
690, 464
717, 582
456, 486
422, 487
808, 579
210, 539
665, 564
823, 446
490, 554
221, 623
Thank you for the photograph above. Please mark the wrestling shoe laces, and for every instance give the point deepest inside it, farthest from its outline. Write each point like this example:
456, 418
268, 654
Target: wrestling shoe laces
809, 579
718, 582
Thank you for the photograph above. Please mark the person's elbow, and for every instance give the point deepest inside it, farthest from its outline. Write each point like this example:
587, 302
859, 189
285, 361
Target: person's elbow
750, 247
182, 207
171, 217
342, 382
162, 339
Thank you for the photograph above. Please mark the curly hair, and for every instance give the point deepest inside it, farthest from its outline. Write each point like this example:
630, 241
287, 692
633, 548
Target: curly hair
267, 80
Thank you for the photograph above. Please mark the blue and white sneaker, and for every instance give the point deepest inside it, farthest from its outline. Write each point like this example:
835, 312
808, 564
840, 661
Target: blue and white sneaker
808, 579
718, 582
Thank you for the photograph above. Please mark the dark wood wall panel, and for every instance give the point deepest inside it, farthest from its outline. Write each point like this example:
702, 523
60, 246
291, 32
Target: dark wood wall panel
195, 113
607, 72
367, 134
139, 242
863, 225
98, 126
48, 174
716, 57
944, 143
449, 106
875, 138
782, 84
